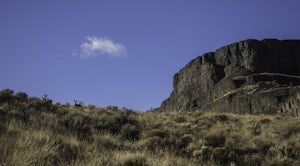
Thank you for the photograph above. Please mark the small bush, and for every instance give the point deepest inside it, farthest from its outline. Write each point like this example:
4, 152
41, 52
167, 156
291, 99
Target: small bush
131, 160
219, 155
157, 132
214, 139
265, 121
203, 154
256, 128
21, 96
180, 119
152, 144
263, 145
221, 118
6, 95
108, 143
8, 146
184, 140
130, 132
254, 159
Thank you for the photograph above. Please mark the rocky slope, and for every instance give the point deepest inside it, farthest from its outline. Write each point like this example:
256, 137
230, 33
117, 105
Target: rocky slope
249, 76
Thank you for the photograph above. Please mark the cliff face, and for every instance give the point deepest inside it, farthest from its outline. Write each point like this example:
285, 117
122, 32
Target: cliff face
250, 76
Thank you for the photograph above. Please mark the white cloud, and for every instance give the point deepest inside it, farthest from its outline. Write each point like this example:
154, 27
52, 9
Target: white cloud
101, 46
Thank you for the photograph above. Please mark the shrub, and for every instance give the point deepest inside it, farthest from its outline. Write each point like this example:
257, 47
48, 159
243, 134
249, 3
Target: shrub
157, 132
114, 122
8, 146
130, 159
254, 159
112, 107
215, 139
153, 144
203, 154
6, 96
108, 143
256, 128
265, 121
221, 118
287, 130
219, 155
35, 103
180, 119
66, 151
263, 145
21, 96
183, 141
130, 132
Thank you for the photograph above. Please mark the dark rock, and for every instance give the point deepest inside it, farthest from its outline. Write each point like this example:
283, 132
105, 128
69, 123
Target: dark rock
250, 76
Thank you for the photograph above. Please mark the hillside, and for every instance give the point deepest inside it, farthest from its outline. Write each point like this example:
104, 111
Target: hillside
35, 131
250, 76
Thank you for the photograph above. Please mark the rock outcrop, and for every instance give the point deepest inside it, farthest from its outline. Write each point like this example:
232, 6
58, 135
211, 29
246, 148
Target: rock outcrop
249, 76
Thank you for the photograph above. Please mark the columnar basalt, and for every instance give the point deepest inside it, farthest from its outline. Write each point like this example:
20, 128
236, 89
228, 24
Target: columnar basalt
249, 76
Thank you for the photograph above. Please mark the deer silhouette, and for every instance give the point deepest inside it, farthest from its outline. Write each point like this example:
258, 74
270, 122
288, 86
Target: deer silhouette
45, 97
77, 105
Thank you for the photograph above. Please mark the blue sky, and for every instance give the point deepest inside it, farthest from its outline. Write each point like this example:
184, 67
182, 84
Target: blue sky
124, 53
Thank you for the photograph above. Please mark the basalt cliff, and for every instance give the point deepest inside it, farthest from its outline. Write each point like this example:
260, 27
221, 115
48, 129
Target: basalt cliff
249, 76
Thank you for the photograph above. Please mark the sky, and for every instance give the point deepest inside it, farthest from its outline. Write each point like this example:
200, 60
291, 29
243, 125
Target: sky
124, 53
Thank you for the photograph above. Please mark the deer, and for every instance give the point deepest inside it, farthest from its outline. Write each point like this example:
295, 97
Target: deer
45, 98
46, 102
77, 105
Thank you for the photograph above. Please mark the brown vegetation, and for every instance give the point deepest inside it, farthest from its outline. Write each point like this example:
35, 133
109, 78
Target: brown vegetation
38, 132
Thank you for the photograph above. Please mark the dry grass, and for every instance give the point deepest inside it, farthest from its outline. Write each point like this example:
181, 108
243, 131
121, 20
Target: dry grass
36, 133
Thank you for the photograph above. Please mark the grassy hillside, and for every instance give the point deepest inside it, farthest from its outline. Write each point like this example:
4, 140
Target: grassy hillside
37, 132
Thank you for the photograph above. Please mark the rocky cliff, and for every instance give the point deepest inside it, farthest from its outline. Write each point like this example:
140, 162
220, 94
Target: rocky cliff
249, 76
